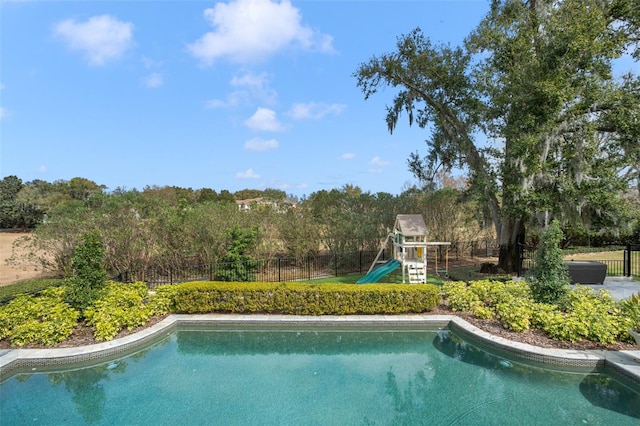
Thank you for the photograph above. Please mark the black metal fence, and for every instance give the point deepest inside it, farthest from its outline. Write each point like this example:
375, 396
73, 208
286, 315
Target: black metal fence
629, 266
272, 270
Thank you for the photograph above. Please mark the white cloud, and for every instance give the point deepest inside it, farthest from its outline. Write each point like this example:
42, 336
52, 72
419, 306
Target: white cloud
247, 174
377, 161
100, 38
264, 119
314, 111
259, 144
3, 113
257, 87
252, 30
250, 80
150, 63
252, 87
153, 80
348, 156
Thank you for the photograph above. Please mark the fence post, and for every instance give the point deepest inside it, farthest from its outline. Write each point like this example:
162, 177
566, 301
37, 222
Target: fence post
627, 261
520, 258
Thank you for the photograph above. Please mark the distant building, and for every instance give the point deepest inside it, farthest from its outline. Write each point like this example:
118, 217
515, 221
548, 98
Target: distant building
280, 206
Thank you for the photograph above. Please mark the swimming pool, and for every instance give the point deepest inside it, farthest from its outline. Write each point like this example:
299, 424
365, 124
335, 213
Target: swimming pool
320, 376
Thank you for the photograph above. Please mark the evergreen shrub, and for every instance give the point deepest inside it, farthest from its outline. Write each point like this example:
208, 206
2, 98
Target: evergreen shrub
87, 276
549, 278
305, 299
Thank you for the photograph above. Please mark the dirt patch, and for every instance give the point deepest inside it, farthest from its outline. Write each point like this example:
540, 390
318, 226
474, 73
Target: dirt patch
12, 274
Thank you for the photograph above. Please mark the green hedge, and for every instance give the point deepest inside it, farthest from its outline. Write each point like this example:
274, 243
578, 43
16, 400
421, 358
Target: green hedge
8, 292
305, 299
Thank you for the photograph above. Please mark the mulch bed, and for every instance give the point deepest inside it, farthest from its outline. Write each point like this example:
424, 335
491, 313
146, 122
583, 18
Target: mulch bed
82, 335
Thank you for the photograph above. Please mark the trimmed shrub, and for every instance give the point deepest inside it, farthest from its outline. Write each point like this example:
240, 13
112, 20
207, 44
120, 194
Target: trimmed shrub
87, 276
45, 319
34, 286
162, 299
549, 278
305, 299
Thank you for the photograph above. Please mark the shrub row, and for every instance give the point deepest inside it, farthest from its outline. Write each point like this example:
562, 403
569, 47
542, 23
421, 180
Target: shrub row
305, 299
35, 286
583, 314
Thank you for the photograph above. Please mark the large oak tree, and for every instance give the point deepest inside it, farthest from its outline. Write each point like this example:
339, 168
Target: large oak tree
529, 107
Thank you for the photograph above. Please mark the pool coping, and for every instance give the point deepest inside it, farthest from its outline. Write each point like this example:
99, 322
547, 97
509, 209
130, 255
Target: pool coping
624, 363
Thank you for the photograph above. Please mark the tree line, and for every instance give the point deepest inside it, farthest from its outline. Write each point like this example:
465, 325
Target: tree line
170, 227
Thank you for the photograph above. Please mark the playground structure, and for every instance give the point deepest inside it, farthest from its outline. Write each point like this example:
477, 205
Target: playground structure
410, 245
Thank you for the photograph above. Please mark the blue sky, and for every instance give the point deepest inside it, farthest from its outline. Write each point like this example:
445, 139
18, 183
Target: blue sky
203, 94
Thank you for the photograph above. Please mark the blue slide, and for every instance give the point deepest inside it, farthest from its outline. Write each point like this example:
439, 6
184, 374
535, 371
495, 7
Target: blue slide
379, 272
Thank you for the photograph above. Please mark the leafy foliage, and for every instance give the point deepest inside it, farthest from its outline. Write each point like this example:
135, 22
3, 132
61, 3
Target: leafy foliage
588, 315
536, 79
631, 309
305, 299
8, 292
549, 278
87, 276
45, 319
236, 264
125, 306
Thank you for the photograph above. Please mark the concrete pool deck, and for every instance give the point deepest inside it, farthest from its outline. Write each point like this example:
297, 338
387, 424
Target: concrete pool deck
619, 287
625, 363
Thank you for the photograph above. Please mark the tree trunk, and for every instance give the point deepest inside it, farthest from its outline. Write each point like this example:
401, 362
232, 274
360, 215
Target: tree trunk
511, 236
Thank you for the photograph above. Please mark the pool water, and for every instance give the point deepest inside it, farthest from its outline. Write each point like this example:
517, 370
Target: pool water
312, 377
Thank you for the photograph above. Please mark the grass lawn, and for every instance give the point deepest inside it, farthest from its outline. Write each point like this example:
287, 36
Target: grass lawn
602, 255
351, 279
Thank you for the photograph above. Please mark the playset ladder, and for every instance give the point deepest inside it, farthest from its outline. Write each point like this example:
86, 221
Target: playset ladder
416, 273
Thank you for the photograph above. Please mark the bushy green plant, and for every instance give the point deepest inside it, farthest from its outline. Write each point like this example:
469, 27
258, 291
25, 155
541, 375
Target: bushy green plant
162, 299
588, 315
122, 306
86, 277
459, 296
549, 278
34, 286
515, 313
631, 309
45, 319
305, 299
237, 265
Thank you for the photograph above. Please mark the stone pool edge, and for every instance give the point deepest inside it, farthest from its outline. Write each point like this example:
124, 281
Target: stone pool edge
617, 362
